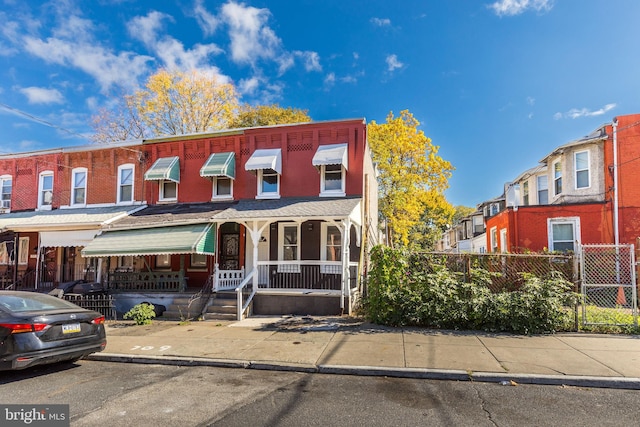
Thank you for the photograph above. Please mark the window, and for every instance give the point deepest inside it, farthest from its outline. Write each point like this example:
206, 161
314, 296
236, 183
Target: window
543, 190
331, 249
4, 254
79, 186
525, 193
222, 187
503, 240
564, 233
478, 225
289, 247
168, 191
268, 183
5, 188
332, 180
125, 263
557, 178
581, 161
45, 190
495, 208
23, 250
198, 261
163, 261
125, 183
494, 239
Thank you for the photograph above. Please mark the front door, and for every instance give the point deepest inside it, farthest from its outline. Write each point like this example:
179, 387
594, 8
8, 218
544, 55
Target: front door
231, 247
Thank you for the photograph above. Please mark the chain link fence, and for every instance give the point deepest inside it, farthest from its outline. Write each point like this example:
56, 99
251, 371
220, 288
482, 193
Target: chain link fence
509, 267
609, 285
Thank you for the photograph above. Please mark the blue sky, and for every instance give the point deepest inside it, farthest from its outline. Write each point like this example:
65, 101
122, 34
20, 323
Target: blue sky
497, 84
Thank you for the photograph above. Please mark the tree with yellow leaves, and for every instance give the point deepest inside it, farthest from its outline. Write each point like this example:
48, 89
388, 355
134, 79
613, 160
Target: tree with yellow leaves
268, 115
412, 177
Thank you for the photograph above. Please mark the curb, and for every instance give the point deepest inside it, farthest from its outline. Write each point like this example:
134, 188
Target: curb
415, 373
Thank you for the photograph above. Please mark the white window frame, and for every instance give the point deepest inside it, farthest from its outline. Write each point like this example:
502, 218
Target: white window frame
23, 250
557, 177
198, 261
163, 262
574, 221
546, 188
41, 190
323, 175
503, 240
5, 203
587, 169
493, 236
494, 209
214, 190
324, 232
161, 196
270, 194
291, 266
525, 193
121, 168
74, 172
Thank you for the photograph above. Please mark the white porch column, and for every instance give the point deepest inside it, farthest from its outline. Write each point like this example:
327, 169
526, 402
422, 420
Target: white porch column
346, 233
255, 231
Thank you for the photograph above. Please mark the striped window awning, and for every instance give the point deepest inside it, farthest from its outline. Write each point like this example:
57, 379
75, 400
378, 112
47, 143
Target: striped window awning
164, 169
220, 164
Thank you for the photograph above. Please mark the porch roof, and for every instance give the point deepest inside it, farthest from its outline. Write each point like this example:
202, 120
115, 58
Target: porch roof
334, 154
64, 219
165, 168
171, 214
292, 208
220, 164
179, 239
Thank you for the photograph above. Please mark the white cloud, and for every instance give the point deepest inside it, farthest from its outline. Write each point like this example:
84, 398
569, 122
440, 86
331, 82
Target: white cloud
516, 7
207, 21
393, 63
248, 86
576, 113
40, 95
329, 80
380, 22
530, 100
311, 60
251, 37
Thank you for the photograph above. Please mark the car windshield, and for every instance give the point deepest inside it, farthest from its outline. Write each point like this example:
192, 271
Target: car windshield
33, 302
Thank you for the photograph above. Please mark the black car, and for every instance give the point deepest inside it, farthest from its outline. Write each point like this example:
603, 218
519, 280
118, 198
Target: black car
37, 329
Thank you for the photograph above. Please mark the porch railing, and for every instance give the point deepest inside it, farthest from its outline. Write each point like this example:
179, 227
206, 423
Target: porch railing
321, 275
166, 281
226, 280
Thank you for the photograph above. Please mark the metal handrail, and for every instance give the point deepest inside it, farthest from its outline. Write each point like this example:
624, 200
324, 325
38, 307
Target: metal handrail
243, 307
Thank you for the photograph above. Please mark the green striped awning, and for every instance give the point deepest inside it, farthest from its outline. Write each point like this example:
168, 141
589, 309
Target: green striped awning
178, 239
165, 168
220, 164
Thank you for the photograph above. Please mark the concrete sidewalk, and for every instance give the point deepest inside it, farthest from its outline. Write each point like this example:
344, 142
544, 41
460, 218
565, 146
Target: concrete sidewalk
347, 346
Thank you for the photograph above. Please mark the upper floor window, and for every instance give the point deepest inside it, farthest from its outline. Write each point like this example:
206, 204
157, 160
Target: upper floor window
478, 225
581, 161
564, 233
268, 164
221, 169
494, 209
5, 187
557, 178
125, 183
332, 161
165, 170
79, 186
525, 193
45, 190
543, 190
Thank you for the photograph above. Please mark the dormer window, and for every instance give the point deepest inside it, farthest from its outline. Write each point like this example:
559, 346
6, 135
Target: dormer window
581, 161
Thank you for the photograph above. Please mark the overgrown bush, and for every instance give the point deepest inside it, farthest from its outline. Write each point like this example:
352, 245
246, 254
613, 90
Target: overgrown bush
402, 292
141, 313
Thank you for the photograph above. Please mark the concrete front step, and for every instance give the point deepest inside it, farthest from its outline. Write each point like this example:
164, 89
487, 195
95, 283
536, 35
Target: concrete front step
222, 307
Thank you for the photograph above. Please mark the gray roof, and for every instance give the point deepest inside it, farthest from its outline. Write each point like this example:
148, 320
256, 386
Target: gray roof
81, 217
290, 208
172, 214
597, 135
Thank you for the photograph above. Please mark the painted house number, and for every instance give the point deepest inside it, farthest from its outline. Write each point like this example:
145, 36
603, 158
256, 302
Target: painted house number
150, 347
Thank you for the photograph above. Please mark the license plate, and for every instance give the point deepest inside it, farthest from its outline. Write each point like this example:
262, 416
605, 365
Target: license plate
71, 328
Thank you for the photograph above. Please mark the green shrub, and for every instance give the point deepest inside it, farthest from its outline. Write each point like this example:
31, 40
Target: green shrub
141, 313
403, 291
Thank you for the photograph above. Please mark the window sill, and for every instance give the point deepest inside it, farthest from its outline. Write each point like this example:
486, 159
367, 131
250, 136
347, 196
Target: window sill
332, 194
268, 196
